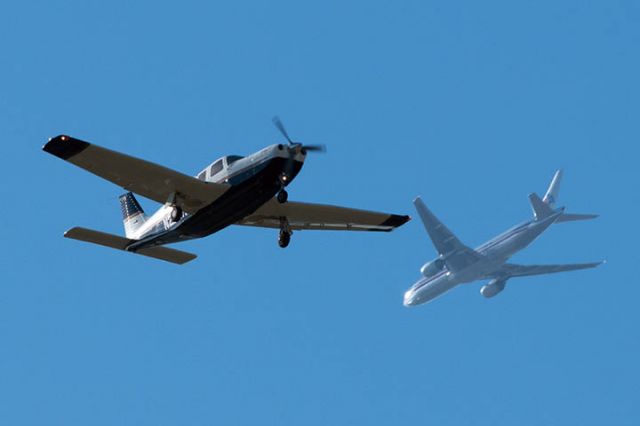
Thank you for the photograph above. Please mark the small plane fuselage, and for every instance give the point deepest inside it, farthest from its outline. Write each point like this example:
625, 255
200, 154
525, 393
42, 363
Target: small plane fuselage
233, 190
254, 180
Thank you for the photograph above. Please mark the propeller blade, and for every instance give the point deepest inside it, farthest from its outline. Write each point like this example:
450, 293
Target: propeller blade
280, 126
314, 148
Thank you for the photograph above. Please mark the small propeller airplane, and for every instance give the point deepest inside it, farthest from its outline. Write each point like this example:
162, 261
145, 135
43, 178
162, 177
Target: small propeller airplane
232, 190
458, 264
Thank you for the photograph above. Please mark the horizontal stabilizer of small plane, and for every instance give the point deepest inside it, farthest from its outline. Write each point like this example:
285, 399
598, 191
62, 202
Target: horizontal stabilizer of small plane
509, 270
121, 243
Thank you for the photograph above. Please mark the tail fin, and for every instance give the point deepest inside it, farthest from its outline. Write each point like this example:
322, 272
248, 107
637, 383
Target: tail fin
132, 214
541, 210
551, 195
547, 206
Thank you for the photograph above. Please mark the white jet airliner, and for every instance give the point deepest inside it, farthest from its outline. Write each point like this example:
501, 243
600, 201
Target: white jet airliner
458, 264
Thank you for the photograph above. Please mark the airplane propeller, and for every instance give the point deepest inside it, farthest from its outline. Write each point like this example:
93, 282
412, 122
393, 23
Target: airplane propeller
305, 148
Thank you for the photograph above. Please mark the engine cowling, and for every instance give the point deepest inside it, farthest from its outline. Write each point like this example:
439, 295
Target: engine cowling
431, 268
494, 287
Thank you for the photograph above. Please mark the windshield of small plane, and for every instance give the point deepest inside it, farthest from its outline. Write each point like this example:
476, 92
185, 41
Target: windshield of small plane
233, 158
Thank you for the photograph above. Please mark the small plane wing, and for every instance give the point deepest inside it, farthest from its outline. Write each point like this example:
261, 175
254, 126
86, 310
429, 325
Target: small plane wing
512, 270
321, 217
120, 243
456, 255
150, 180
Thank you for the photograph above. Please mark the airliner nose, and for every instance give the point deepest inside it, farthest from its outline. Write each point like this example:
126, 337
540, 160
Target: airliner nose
408, 298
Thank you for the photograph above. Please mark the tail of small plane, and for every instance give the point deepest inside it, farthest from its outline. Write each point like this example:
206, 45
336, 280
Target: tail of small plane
133, 216
543, 208
120, 243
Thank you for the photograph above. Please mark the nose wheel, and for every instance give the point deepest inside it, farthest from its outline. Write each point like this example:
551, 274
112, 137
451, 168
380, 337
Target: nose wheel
282, 196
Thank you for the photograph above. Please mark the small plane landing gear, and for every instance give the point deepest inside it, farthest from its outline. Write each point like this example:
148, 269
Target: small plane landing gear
284, 239
176, 210
282, 196
176, 214
285, 233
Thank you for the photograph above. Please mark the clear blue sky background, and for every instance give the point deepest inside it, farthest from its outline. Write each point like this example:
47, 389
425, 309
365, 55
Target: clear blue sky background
470, 104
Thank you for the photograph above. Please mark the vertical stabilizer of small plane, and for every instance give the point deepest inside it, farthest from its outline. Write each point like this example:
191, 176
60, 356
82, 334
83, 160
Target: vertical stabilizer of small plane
133, 216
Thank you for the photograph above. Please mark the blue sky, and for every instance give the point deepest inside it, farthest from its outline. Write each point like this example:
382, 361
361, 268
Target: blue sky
471, 105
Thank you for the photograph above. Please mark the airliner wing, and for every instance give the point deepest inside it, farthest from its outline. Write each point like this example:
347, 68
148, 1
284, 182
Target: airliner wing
512, 270
150, 180
301, 216
456, 255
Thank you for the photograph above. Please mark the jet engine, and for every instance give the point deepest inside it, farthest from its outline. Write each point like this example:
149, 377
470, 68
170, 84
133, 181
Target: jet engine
431, 268
494, 287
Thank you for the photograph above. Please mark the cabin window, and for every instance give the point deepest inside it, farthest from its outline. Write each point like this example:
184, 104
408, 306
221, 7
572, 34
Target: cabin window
203, 175
216, 167
232, 159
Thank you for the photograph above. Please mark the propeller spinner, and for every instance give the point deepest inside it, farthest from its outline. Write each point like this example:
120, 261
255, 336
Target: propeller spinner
286, 175
304, 148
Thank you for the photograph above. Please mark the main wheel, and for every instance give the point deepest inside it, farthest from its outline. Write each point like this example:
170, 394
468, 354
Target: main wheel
176, 214
282, 196
284, 239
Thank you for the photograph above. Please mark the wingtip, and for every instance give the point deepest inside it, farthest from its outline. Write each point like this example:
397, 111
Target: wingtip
65, 147
395, 221
69, 232
187, 259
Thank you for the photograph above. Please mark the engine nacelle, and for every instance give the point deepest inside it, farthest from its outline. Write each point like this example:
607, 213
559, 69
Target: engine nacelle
431, 268
494, 287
